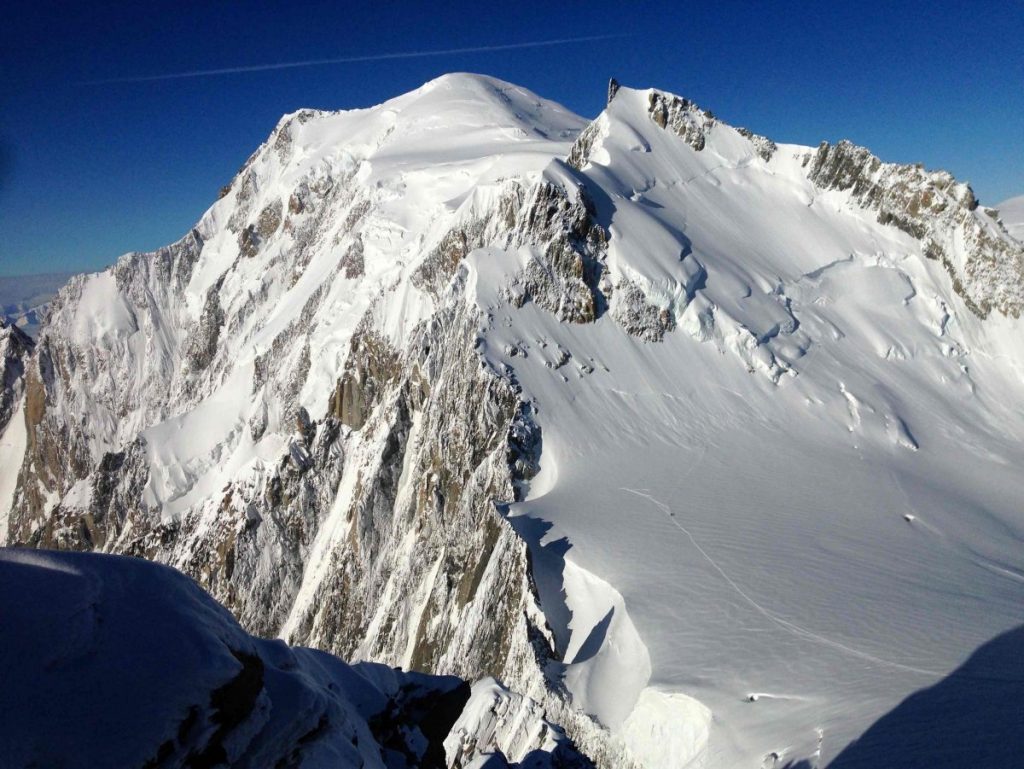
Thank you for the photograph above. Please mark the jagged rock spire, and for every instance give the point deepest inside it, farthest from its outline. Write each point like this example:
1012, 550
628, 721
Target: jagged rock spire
613, 88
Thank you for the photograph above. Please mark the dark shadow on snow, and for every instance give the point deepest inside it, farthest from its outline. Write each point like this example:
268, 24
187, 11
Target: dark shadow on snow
547, 566
603, 207
972, 718
595, 640
562, 757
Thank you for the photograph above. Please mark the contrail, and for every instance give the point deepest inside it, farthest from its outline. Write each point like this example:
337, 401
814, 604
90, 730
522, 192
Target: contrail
350, 60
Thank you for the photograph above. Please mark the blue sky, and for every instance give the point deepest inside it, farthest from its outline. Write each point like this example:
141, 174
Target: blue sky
89, 171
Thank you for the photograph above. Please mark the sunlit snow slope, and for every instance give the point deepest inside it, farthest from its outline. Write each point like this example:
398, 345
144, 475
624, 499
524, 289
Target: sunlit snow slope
806, 497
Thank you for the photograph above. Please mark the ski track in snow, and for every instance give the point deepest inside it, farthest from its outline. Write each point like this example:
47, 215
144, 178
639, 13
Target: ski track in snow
785, 624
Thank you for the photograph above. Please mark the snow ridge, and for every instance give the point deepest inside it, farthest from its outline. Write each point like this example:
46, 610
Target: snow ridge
181, 683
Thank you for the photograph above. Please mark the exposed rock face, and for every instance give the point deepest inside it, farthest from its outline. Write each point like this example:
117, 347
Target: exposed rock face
764, 146
579, 155
564, 274
613, 88
682, 117
987, 269
692, 124
15, 347
637, 315
128, 387
429, 499
254, 235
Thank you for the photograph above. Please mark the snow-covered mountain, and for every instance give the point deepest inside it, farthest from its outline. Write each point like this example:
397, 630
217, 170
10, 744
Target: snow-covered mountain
24, 299
707, 445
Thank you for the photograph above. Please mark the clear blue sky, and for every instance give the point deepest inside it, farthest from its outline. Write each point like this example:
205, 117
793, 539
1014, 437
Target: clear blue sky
88, 172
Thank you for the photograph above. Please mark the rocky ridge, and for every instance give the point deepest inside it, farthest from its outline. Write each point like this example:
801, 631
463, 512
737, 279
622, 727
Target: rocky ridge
15, 347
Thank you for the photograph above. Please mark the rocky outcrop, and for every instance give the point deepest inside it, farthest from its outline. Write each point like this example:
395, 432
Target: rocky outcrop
682, 117
637, 316
613, 88
254, 235
763, 146
579, 155
986, 268
565, 271
510, 730
15, 348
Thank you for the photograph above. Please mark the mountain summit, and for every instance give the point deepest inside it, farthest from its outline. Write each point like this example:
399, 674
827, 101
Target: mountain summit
707, 444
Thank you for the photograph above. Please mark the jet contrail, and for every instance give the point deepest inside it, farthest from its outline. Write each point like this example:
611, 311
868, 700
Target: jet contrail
350, 60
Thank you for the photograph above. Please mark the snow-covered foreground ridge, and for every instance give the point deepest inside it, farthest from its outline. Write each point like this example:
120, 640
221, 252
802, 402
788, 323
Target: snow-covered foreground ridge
119, 662
707, 445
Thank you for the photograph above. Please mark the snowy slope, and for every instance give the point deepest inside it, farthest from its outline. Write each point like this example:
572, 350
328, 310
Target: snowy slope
310, 223
190, 368
111, 661
802, 504
287, 403
707, 446
1012, 213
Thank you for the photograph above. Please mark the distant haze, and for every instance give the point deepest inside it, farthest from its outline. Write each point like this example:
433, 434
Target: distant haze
23, 298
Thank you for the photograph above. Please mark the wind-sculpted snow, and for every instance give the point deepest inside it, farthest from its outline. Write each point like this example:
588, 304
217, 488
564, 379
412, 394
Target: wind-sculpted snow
690, 438
808, 473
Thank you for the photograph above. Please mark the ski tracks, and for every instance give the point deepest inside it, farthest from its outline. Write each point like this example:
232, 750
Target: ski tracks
791, 627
